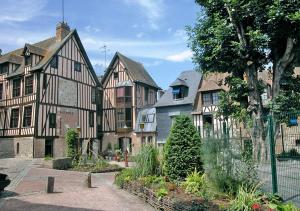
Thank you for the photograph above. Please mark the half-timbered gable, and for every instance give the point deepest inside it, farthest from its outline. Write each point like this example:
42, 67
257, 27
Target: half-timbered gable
48, 87
127, 88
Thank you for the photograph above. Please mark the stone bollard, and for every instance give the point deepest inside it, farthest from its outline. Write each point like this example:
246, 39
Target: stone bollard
50, 184
89, 180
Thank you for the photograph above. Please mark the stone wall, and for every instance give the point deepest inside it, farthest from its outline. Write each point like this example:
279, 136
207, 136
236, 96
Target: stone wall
25, 145
7, 147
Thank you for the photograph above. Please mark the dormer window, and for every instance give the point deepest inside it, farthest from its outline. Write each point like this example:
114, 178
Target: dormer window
179, 92
4, 68
27, 58
210, 98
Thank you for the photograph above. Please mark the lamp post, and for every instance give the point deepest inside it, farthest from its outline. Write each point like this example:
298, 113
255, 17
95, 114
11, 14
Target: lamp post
142, 126
78, 129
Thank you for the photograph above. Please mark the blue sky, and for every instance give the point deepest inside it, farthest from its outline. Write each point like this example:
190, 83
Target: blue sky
149, 31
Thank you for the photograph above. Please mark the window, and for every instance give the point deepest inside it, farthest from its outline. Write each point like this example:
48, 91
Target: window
207, 125
54, 62
150, 140
91, 119
116, 75
27, 116
16, 87
178, 92
14, 118
297, 142
4, 68
124, 117
49, 148
52, 120
124, 94
29, 85
206, 98
44, 81
215, 98
148, 118
93, 95
146, 94
27, 59
77, 66
1, 91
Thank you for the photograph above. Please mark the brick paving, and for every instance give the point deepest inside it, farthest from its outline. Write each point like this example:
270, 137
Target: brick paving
70, 193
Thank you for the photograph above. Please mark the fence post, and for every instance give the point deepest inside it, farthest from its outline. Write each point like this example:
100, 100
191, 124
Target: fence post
272, 154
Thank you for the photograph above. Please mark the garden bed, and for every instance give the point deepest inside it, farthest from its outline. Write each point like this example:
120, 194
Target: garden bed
176, 200
95, 169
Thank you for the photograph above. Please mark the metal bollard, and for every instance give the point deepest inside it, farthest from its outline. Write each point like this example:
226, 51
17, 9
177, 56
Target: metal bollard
89, 180
50, 184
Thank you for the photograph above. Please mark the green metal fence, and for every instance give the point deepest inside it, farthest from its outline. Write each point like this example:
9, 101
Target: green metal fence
279, 170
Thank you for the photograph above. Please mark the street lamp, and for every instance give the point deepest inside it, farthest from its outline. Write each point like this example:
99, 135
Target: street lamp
142, 126
78, 129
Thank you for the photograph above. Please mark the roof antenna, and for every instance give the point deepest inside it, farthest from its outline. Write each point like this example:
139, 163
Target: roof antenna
105, 49
63, 10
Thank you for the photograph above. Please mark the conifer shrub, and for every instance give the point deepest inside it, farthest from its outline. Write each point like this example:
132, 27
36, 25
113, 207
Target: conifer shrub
182, 152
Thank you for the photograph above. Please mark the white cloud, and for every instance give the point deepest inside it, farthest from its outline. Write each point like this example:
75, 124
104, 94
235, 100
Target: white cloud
140, 35
180, 57
21, 10
91, 29
153, 10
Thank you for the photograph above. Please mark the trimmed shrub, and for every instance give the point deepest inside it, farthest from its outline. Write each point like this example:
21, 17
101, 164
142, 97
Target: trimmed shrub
182, 152
71, 138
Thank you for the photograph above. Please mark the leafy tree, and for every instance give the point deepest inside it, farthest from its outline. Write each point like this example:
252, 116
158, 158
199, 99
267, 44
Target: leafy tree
183, 149
71, 139
243, 38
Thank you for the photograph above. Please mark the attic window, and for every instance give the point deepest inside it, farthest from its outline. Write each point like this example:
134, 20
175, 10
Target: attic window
77, 66
27, 58
4, 68
116, 75
178, 92
54, 62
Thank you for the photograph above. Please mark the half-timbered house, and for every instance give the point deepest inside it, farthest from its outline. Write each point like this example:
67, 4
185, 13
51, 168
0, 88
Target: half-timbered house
127, 89
45, 89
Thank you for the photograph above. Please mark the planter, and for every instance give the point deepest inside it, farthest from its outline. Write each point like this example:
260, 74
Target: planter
4, 182
166, 203
57, 163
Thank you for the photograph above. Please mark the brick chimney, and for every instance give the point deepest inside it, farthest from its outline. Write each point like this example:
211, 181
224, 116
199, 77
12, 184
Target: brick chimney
62, 30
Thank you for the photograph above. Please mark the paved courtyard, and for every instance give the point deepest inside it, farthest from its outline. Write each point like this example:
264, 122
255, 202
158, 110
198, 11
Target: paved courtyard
27, 191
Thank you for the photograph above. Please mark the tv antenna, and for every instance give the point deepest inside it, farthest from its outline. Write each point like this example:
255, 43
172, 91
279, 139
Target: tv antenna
105, 49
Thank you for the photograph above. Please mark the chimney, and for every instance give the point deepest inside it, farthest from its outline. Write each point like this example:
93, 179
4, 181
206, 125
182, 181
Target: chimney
160, 94
62, 30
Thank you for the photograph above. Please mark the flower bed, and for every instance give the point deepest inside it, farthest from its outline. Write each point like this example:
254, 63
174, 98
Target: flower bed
175, 200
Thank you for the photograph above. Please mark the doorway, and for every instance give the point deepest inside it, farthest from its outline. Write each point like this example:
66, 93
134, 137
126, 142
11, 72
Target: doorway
49, 147
125, 143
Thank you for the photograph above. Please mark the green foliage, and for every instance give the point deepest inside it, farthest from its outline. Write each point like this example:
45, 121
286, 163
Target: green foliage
284, 207
147, 161
245, 199
71, 138
227, 166
197, 184
161, 192
48, 158
292, 153
182, 152
124, 177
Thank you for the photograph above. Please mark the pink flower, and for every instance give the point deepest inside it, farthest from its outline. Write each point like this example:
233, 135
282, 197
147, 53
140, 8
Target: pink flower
255, 206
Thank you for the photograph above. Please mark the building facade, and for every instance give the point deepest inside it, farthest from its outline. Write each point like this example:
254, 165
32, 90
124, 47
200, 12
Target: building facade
127, 90
177, 100
45, 89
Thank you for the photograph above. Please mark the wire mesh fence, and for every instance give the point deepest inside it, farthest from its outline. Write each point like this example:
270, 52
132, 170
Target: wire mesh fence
274, 146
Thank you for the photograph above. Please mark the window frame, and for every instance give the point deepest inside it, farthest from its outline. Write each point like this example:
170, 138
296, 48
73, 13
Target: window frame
54, 62
14, 120
116, 75
52, 120
29, 87
91, 118
180, 94
4, 66
16, 91
77, 66
146, 94
27, 59
27, 119
94, 95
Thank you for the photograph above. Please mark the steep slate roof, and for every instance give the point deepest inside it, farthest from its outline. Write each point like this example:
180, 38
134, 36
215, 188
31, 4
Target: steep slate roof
135, 69
179, 82
192, 79
48, 48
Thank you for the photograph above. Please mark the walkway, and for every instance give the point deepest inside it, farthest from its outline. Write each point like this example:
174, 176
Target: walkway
71, 193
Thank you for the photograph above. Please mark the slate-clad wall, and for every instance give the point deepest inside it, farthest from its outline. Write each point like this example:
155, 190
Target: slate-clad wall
164, 120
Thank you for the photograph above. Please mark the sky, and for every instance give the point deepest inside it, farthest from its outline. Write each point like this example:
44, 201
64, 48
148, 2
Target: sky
149, 31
